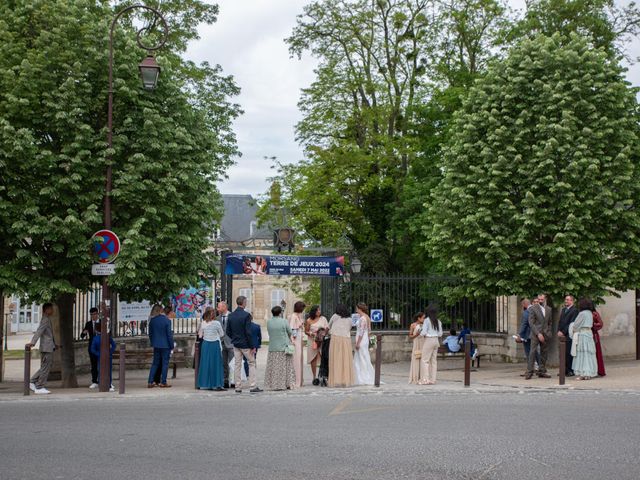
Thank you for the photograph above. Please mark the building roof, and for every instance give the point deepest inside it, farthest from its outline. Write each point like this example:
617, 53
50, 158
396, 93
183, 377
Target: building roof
239, 222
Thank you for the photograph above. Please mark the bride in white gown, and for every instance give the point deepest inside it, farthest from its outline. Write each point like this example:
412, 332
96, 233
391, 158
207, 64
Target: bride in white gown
361, 360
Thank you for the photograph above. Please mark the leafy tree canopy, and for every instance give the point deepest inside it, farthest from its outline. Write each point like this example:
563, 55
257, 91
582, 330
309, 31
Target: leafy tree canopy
541, 176
170, 146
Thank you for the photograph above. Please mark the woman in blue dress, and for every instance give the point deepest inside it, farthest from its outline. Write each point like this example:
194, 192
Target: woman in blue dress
211, 373
583, 348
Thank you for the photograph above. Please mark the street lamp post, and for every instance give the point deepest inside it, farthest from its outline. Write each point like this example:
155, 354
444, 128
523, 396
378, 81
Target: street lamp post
149, 71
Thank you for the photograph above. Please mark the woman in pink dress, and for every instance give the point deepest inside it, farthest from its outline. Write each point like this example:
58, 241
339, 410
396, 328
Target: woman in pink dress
296, 322
597, 326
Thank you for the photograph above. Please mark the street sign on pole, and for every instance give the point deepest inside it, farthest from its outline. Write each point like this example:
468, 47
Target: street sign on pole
106, 246
377, 316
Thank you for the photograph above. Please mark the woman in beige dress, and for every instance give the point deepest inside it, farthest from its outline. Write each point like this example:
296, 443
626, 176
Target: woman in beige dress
341, 372
314, 323
296, 322
418, 342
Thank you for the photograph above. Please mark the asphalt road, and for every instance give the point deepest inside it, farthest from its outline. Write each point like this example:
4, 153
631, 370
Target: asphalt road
423, 435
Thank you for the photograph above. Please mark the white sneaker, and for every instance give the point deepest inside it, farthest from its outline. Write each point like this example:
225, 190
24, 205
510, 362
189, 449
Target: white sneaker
93, 385
32, 386
111, 389
42, 391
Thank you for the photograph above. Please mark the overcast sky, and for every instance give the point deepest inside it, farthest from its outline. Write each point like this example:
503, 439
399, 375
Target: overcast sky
248, 42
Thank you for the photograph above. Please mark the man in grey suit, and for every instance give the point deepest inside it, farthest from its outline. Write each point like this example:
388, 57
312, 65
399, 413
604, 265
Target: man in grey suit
227, 346
540, 320
47, 346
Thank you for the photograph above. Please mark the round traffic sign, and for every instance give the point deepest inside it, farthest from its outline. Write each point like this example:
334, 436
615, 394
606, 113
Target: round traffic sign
106, 246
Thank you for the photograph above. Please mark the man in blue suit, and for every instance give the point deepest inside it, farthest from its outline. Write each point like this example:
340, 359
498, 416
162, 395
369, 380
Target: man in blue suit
256, 339
239, 331
161, 338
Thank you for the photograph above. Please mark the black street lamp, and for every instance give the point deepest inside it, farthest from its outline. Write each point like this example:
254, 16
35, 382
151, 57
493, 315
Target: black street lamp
149, 71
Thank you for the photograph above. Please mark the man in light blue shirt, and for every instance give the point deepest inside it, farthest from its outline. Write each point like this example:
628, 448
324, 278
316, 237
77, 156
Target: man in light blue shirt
451, 341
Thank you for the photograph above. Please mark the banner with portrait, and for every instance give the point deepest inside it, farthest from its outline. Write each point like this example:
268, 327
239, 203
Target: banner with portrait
253, 264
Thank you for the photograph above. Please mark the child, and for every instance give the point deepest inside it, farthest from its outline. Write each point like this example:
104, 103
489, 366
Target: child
464, 332
451, 342
95, 350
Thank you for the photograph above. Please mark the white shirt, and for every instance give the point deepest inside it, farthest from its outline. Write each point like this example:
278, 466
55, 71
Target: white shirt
211, 331
429, 331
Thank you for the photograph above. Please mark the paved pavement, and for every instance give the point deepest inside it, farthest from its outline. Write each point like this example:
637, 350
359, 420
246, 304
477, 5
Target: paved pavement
622, 376
502, 427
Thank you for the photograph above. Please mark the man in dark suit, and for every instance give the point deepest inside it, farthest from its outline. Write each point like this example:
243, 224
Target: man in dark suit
256, 340
567, 317
90, 330
239, 331
540, 319
161, 338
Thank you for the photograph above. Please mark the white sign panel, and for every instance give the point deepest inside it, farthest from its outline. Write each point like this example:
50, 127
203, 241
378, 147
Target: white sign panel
134, 312
103, 269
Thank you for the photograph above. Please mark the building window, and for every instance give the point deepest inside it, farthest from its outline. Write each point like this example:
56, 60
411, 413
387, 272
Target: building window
246, 292
276, 297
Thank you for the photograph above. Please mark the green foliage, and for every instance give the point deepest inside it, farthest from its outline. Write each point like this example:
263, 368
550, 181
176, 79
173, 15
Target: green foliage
170, 145
362, 114
541, 176
605, 24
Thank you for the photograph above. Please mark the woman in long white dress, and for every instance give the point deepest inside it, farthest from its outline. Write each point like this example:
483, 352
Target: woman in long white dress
362, 360
296, 322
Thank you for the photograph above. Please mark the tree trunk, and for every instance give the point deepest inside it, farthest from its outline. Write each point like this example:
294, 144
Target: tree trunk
65, 306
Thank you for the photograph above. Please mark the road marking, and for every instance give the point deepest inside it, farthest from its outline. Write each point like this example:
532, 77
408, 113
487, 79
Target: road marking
341, 406
489, 470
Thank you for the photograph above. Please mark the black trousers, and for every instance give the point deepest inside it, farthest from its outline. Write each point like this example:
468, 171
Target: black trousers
568, 358
94, 368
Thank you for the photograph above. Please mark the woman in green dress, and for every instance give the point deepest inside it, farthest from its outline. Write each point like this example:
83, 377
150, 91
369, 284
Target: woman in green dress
279, 374
583, 348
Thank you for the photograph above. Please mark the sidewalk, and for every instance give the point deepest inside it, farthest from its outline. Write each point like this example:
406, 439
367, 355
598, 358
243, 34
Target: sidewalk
622, 376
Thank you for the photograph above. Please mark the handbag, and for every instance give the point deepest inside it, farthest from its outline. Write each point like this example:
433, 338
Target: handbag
290, 349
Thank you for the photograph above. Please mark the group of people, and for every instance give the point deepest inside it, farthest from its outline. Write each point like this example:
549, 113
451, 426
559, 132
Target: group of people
329, 349
232, 338
579, 326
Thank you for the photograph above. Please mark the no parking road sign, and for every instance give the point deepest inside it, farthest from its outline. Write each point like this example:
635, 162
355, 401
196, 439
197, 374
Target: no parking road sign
106, 246
377, 315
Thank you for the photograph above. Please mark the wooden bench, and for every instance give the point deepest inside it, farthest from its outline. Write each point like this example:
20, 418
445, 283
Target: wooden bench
140, 359
445, 353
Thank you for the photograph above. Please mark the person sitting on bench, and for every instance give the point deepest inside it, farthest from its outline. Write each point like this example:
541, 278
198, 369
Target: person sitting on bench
463, 333
451, 342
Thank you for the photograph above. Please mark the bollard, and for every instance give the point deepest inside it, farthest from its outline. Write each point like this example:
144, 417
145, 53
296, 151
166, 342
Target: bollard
196, 364
27, 369
562, 348
467, 360
378, 359
301, 360
122, 369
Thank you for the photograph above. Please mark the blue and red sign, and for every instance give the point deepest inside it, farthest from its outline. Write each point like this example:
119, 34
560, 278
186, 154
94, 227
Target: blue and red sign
106, 246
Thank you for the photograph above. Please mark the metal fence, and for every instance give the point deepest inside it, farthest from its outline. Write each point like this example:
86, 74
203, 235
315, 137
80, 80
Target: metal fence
93, 298
401, 297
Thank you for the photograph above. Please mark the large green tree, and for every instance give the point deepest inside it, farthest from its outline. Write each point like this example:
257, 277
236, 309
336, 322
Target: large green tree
541, 177
170, 146
379, 62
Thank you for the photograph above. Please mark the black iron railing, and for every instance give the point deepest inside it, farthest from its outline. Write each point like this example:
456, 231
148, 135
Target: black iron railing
401, 297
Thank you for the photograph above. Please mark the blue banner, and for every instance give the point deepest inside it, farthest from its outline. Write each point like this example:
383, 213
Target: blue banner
252, 264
